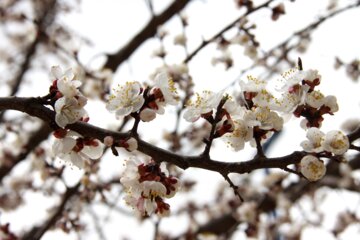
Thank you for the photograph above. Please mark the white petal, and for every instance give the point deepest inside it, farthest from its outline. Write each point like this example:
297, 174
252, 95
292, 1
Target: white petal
138, 103
68, 144
57, 72
161, 79
113, 104
147, 115
73, 134
191, 115
59, 104
69, 74
77, 160
57, 147
61, 120
93, 152
149, 206
124, 111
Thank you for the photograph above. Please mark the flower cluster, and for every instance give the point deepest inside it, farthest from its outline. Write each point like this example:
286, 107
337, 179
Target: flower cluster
72, 147
147, 184
255, 118
304, 100
245, 39
69, 102
177, 72
261, 112
132, 98
334, 142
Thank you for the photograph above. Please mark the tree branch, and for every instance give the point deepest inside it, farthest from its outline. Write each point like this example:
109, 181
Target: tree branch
37, 232
33, 107
284, 45
37, 137
114, 60
42, 23
225, 29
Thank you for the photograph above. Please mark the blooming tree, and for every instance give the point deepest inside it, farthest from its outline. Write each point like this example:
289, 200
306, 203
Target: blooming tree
86, 170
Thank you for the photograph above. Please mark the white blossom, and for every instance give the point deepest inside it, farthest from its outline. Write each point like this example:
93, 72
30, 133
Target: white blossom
291, 230
225, 58
152, 189
295, 76
108, 141
312, 168
67, 148
315, 140
331, 102
69, 110
132, 144
180, 40
251, 51
264, 99
264, 118
167, 88
315, 99
147, 115
336, 142
130, 177
290, 100
304, 123
146, 187
252, 85
145, 206
292, 77
241, 134
233, 108
159, 52
176, 71
66, 83
311, 75
240, 39
126, 99
203, 104
247, 212
174, 190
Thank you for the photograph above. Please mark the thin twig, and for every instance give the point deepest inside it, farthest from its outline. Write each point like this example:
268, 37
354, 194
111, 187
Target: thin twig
225, 29
284, 45
34, 140
215, 121
233, 186
38, 231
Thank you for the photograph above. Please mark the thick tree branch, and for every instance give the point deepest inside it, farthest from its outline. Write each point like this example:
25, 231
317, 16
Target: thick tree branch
114, 60
33, 107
